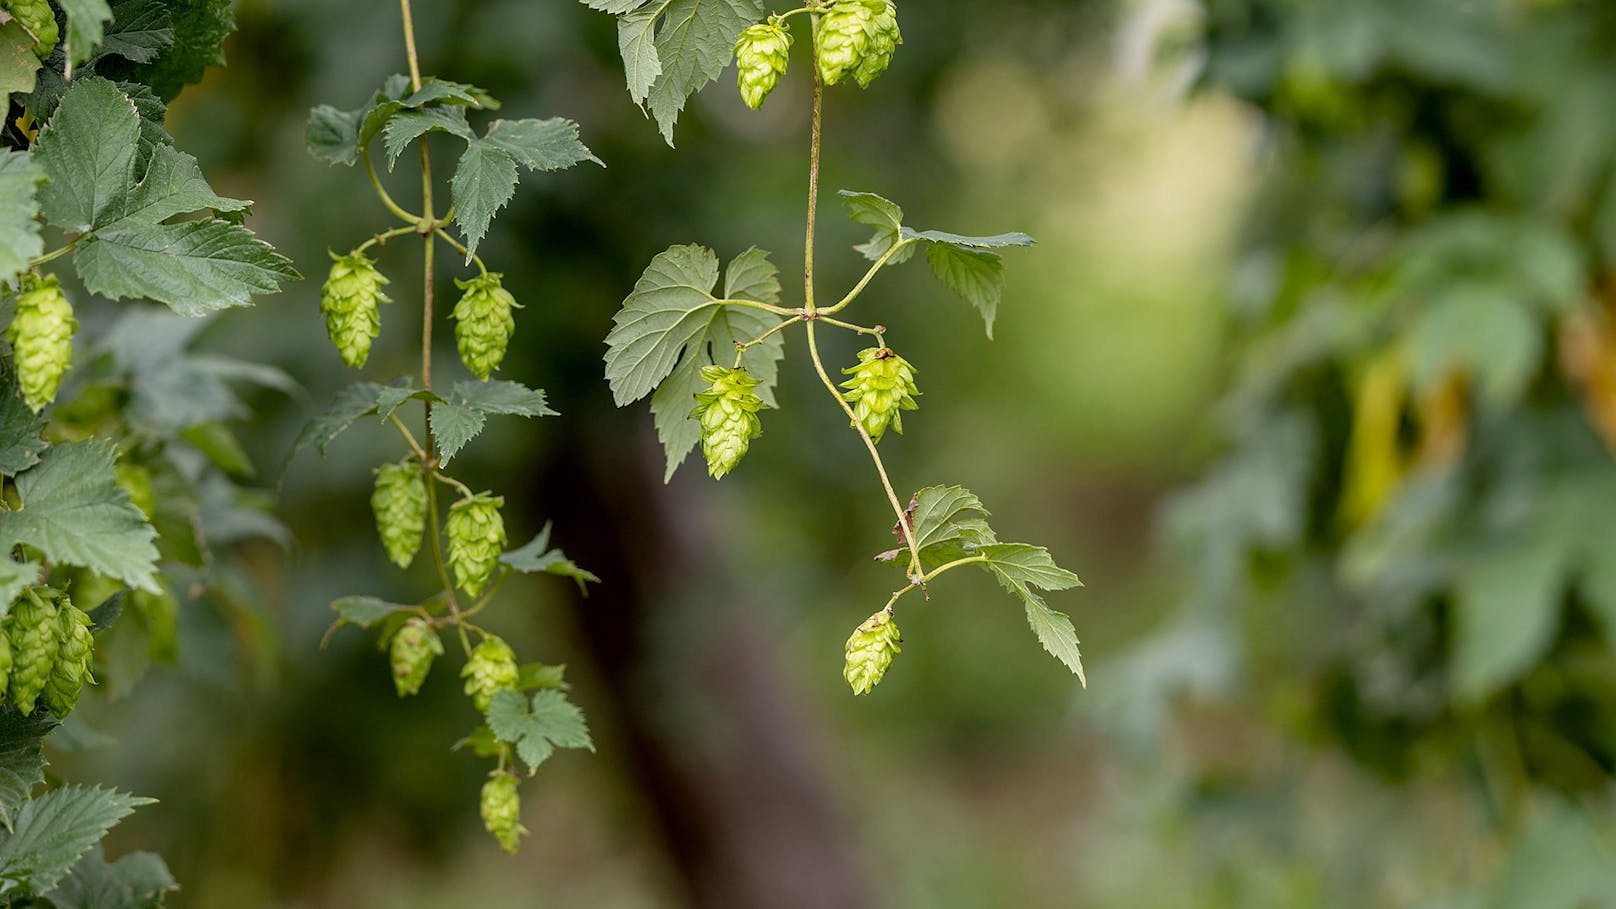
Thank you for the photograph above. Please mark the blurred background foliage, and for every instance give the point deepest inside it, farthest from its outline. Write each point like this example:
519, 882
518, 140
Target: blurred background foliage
1312, 379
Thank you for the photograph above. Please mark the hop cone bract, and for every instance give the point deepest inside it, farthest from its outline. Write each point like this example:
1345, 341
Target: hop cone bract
882, 387
351, 300
502, 810
36, 16
413, 649
399, 503
870, 651
31, 628
491, 669
75, 647
484, 323
761, 54
476, 538
728, 411
41, 336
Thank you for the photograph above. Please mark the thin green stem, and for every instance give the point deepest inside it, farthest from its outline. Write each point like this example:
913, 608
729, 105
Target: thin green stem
55, 253
383, 237
765, 307
409, 44
932, 575
445, 479
409, 437
741, 349
486, 598
461, 247
821, 317
381, 191
870, 275
813, 174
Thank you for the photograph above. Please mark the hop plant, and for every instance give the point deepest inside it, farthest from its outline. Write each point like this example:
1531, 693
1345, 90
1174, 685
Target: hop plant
490, 669
37, 18
483, 323
31, 629
882, 387
728, 412
75, 647
5, 662
870, 650
351, 300
400, 505
476, 538
502, 810
413, 649
761, 54
136, 480
857, 36
41, 336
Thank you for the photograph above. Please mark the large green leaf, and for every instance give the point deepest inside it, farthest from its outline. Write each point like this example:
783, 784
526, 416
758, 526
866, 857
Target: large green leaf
195, 267
539, 727
53, 831
484, 180
199, 30
76, 514
540, 145
467, 407
88, 152
172, 185
22, 759
19, 231
139, 880
409, 125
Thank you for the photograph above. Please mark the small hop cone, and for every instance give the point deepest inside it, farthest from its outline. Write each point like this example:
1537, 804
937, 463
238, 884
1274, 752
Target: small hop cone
351, 300
413, 649
31, 630
884, 40
136, 481
37, 18
882, 387
491, 669
728, 412
484, 323
870, 651
75, 648
400, 505
502, 810
476, 538
41, 336
761, 54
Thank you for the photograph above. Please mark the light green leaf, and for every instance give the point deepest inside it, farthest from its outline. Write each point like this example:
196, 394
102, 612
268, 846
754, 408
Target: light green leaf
1023, 563
615, 7
139, 880
976, 275
1506, 611
76, 514
541, 675
14, 578
22, 759
53, 831
173, 185
86, 22
882, 214
1055, 632
434, 91
407, 126
636, 41
466, 410
949, 522
539, 727
88, 152
670, 307
195, 267
540, 145
537, 557
695, 42
484, 180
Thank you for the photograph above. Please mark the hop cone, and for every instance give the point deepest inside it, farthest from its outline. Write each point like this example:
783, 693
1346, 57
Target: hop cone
476, 538
36, 16
483, 323
882, 387
351, 300
41, 336
5, 662
75, 647
136, 481
845, 35
491, 669
884, 40
414, 648
870, 650
761, 54
31, 630
502, 810
728, 412
400, 506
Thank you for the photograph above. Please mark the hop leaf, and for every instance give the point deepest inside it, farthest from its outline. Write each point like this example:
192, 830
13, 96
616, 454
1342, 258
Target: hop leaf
728, 411
351, 300
41, 336
483, 323
882, 387
761, 54
491, 669
31, 629
400, 505
75, 647
37, 18
476, 538
857, 36
502, 810
414, 648
870, 650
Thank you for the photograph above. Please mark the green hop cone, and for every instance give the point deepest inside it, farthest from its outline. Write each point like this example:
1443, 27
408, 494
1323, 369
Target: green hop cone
37, 18
857, 36
502, 810
491, 669
413, 649
483, 323
31, 629
728, 411
476, 538
351, 300
136, 480
41, 336
761, 54
400, 505
75, 647
884, 40
870, 651
882, 387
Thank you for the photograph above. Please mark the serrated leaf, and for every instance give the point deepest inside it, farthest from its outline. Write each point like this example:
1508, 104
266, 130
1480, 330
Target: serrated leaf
333, 135
976, 275
139, 880
88, 152
1055, 632
537, 727
20, 427
86, 23
540, 145
694, 43
398, 392
949, 522
20, 241
454, 425
615, 7
140, 30
668, 309
173, 184
484, 180
501, 397
537, 557
14, 578
76, 514
636, 41
200, 28
407, 126
353, 402
53, 831
434, 91
882, 214
1024, 563
22, 759
195, 267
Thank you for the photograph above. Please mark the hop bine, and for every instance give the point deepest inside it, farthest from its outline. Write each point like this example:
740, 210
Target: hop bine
413, 649
881, 388
37, 18
728, 411
31, 628
484, 323
400, 505
502, 810
761, 54
858, 37
490, 670
870, 650
351, 300
41, 336
476, 538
